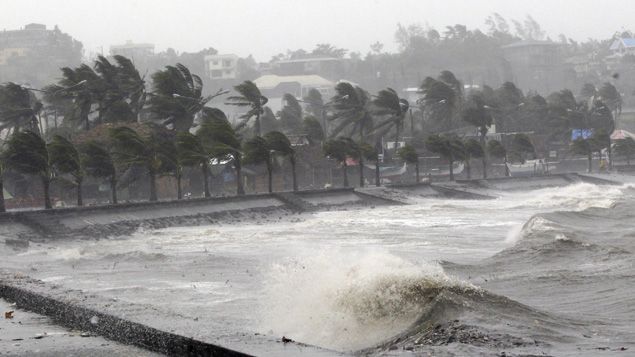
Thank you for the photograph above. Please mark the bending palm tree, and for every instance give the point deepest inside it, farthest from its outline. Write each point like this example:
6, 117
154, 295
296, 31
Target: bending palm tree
257, 151
177, 97
18, 108
388, 103
98, 162
280, 145
409, 155
251, 97
220, 139
27, 153
130, 148
192, 152
65, 159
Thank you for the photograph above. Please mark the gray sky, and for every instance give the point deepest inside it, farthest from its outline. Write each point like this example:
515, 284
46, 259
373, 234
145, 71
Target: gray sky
266, 27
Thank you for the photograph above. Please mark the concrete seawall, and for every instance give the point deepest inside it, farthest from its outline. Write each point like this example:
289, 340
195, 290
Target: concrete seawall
122, 219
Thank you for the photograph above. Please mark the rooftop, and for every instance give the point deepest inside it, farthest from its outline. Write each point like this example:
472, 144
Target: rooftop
626, 42
270, 81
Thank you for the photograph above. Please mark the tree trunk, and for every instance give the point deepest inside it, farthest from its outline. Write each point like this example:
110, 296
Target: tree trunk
417, 170
484, 166
46, 184
179, 190
507, 173
270, 178
113, 190
590, 162
610, 156
451, 169
153, 186
205, 170
396, 138
2, 206
345, 175
293, 173
240, 190
361, 171
468, 169
80, 201
257, 124
377, 178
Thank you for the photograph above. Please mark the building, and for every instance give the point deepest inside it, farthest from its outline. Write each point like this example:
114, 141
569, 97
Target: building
133, 51
275, 87
623, 46
327, 67
536, 65
34, 54
221, 66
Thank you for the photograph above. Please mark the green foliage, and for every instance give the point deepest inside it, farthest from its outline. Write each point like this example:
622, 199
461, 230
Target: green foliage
176, 97
313, 129
350, 110
408, 154
477, 115
151, 151
251, 97
449, 147
314, 102
369, 152
473, 149
279, 143
65, 158
521, 144
18, 107
97, 161
337, 149
496, 149
387, 103
257, 151
27, 153
290, 115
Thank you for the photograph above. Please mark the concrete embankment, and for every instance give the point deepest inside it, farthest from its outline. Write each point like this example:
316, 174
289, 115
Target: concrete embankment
122, 219
137, 324
523, 183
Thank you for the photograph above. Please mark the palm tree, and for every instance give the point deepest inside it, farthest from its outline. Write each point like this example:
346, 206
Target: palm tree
438, 101
192, 152
290, 115
371, 153
27, 153
409, 155
251, 97
449, 147
99, 162
351, 110
257, 151
18, 108
176, 97
125, 86
584, 147
625, 147
477, 115
521, 146
279, 144
315, 106
497, 150
220, 139
2, 206
65, 159
147, 151
388, 103
473, 150
313, 130
338, 149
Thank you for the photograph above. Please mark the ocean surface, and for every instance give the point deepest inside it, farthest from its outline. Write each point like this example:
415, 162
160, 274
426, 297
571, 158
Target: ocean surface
543, 272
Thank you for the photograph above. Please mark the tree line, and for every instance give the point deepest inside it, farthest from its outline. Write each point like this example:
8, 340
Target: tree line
167, 125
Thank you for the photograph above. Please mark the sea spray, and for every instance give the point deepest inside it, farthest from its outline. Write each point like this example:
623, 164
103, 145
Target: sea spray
347, 301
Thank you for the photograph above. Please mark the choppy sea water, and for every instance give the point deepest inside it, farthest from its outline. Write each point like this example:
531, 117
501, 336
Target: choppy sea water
547, 271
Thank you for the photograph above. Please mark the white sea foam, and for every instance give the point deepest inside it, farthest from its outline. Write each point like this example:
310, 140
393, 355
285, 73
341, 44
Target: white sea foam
347, 301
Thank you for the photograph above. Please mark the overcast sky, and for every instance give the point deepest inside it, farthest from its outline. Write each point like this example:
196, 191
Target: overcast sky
267, 27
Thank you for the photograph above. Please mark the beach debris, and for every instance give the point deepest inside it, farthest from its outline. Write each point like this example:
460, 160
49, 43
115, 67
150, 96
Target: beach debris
8, 314
286, 340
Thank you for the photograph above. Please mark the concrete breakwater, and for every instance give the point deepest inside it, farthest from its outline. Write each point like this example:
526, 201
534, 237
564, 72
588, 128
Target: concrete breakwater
123, 219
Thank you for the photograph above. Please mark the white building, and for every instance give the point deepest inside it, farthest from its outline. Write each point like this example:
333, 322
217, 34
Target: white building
221, 66
623, 46
275, 87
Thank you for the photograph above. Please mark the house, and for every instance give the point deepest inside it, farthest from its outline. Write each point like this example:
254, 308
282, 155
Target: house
328, 67
221, 66
536, 65
623, 46
133, 51
275, 87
